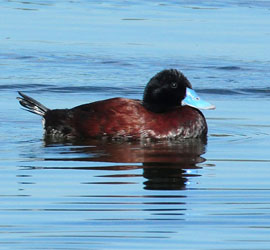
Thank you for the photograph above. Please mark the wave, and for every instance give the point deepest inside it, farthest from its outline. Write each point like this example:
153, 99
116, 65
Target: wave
44, 88
127, 90
237, 91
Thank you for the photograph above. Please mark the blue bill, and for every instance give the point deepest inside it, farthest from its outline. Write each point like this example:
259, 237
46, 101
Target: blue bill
192, 99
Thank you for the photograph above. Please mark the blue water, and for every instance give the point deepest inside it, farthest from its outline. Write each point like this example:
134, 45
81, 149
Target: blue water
101, 195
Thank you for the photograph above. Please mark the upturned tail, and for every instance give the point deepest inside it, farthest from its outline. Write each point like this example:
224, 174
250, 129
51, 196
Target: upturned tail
32, 105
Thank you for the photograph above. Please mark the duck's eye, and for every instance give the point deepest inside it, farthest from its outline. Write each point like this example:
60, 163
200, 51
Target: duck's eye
174, 85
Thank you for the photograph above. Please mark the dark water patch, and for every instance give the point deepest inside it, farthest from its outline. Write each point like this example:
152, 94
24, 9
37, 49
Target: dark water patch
119, 63
29, 3
109, 62
256, 4
49, 88
219, 91
195, 4
23, 86
26, 9
87, 60
202, 8
110, 183
84, 89
221, 4
24, 57
226, 68
17, 195
154, 196
95, 89
230, 68
11, 56
262, 92
133, 19
59, 59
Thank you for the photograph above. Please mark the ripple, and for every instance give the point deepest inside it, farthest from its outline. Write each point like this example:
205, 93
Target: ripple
255, 92
230, 68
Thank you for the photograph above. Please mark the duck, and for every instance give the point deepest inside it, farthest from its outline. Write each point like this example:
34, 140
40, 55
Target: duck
169, 110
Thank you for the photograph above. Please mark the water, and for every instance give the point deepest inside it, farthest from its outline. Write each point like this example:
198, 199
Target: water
186, 195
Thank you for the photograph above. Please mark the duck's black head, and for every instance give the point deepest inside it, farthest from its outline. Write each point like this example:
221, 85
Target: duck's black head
165, 90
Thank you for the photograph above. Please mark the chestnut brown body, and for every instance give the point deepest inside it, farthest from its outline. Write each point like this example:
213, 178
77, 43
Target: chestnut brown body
124, 118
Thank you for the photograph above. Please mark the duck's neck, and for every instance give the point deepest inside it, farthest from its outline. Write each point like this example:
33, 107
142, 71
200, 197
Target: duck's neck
157, 108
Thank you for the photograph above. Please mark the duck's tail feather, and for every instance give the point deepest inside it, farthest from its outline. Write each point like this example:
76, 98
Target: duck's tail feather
32, 105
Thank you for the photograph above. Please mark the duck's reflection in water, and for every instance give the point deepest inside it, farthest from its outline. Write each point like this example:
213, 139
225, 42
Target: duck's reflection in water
164, 176
165, 165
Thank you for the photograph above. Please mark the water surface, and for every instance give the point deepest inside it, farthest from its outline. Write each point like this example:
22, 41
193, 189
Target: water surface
192, 194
